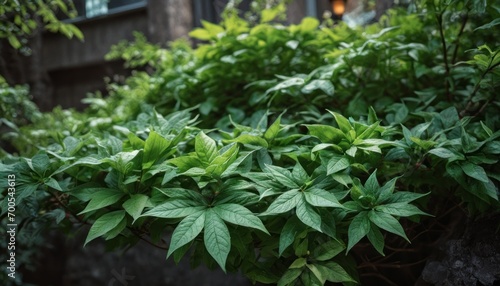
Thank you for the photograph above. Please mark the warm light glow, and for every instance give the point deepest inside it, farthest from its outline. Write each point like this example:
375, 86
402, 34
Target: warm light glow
338, 7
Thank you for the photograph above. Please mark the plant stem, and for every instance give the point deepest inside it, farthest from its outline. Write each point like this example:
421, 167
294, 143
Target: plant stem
445, 55
457, 41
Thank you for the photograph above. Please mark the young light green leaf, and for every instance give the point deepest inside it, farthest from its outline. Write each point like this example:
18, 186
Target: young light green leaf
205, 147
387, 222
217, 238
187, 230
155, 149
104, 224
342, 122
273, 130
325, 133
239, 215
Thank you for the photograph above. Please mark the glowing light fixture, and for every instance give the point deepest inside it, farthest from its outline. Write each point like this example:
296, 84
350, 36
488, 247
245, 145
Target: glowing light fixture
338, 7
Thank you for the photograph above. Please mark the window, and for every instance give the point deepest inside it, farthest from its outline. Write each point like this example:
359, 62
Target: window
93, 8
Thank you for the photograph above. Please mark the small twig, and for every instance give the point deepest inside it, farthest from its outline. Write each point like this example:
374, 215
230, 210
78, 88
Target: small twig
457, 41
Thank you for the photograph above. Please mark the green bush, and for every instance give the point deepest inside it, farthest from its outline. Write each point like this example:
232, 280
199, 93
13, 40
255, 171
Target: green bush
304, 142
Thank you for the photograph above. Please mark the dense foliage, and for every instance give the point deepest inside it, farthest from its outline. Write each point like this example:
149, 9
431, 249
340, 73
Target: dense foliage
305, 142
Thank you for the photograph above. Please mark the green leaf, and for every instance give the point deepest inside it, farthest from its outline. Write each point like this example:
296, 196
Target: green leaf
337, 164
376, 239
474, 171
387, 222
135, 205
337, 273
102, 198
489, 25
205, 147
51, 182
445, 153
289, 276
358, 228
284, 202
200, 34
342, 122
217, 238
283, 176
289, 232
322, 84
239, 215
155, 149
400, 209
386, 190
321, 198
187, 230
325, 133
308, 215
104, 224
250, 140
176, 208
328, 250
371, 184
273, 130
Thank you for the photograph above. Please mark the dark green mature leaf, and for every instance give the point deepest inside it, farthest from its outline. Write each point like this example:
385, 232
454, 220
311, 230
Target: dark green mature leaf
283, 176
336, 273
176, 208
292, 228
239, 215
104, 224
321, 198
328, 250
102, 198
359, 227
308, 215
284, 202
273, 130
187, 230
475, 171
289, 277
376, 239
337, 164
217, 238
400, 209
387, 222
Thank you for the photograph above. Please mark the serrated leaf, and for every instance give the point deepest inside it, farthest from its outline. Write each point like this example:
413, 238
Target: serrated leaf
358, 228
104, 224
187, 230
239, 215
102, 198
284, 202
135, 205
388, 223
217, 238
308, 215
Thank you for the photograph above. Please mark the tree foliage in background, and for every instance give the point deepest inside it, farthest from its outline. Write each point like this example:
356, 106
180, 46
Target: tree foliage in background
326, 148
